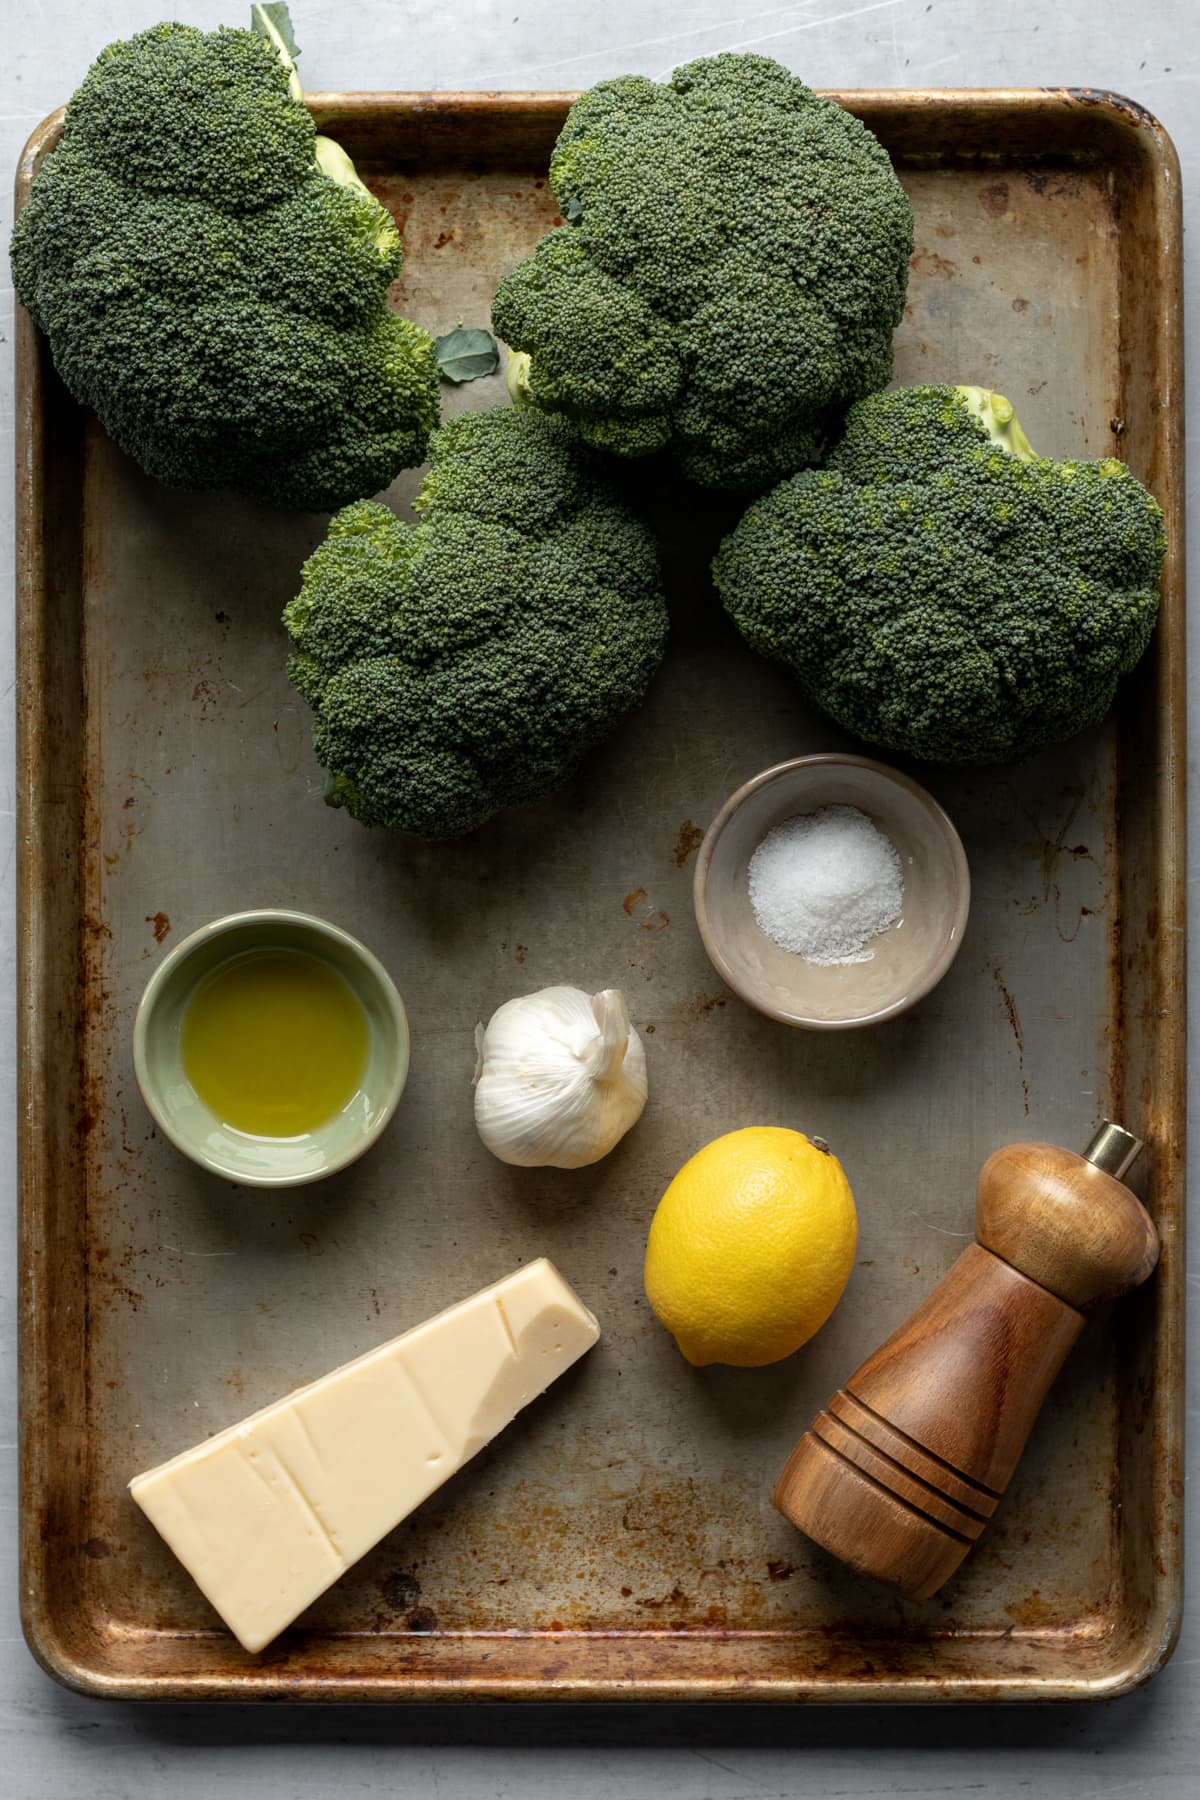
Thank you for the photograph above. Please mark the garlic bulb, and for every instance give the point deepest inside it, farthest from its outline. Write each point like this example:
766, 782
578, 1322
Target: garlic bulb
560, 1076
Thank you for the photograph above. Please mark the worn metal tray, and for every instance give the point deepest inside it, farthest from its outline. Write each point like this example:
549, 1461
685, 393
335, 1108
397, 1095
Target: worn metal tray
619, 1539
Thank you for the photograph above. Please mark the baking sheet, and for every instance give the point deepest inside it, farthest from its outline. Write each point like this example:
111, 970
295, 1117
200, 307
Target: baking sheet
618, 1540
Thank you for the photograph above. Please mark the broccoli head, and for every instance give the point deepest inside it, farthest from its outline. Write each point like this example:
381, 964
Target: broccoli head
732, 267
940, 589
467, 663
212, 277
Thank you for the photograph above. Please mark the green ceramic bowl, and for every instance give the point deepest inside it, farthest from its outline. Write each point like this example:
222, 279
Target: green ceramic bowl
192, 1127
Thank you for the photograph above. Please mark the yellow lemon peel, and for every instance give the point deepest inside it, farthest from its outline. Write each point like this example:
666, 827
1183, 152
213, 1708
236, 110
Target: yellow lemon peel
751, 1247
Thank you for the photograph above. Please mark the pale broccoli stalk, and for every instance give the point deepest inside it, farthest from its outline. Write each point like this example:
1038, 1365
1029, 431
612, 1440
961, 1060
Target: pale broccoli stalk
999, 420
273, 21
516, 377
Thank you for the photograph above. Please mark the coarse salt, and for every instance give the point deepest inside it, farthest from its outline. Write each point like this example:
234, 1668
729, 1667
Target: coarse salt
825, 883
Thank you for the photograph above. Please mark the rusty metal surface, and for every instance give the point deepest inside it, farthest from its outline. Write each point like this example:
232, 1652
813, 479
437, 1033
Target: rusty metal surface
619, 1539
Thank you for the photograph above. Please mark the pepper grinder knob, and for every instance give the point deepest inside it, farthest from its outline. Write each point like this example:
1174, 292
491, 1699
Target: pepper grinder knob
901, 1472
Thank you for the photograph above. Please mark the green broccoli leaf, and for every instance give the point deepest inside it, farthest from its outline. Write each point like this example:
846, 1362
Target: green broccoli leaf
466, 354
273, 21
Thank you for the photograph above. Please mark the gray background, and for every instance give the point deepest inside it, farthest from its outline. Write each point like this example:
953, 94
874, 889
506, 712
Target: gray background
54, 1744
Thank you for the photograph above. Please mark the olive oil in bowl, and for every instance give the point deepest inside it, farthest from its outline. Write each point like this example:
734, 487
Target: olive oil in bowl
274, 1042
271, 1048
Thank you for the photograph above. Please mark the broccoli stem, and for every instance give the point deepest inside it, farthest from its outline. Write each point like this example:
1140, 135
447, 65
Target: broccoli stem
333, 161
999, 420
517, 375
274, 23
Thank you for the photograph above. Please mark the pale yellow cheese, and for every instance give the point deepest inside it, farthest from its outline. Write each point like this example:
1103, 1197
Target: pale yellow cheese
267, 1514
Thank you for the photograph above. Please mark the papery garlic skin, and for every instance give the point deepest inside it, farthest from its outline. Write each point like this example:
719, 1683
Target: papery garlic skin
560, 1076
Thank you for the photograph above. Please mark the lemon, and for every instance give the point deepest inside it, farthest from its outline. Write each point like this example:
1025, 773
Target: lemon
751, 1247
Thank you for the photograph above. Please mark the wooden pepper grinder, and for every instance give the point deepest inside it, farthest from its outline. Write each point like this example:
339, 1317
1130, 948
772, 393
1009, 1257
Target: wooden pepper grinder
902, 1471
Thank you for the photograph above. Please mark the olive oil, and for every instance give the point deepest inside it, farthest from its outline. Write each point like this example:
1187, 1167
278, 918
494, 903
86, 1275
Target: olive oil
274, 1042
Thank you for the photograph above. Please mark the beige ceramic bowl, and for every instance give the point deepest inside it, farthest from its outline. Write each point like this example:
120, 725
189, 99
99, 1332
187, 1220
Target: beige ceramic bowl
909, 959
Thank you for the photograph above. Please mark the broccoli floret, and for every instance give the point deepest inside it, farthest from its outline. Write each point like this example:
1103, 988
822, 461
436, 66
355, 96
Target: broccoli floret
732, 267
467, 663
212, 277
942, 590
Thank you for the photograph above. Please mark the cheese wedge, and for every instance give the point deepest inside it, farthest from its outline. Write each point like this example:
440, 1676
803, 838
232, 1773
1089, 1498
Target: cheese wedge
267, 1514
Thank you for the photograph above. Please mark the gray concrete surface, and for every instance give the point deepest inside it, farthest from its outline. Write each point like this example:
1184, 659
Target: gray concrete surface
54, 1744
